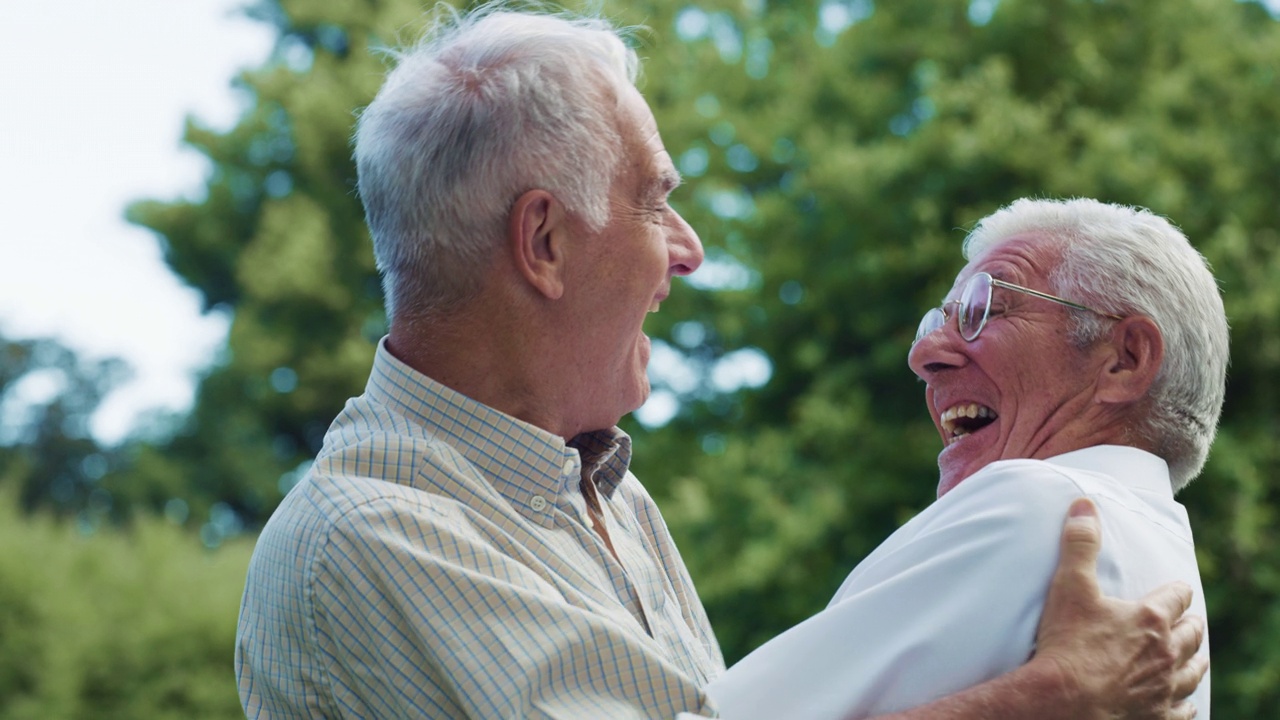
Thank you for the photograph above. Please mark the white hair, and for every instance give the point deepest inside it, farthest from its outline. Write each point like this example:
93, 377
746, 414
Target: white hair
1129, 261
487, 106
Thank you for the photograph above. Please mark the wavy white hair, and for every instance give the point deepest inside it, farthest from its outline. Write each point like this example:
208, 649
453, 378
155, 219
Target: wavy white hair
487, 106
1129, 261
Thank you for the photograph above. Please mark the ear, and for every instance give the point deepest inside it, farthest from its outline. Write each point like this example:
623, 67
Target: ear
536, 236
1136, 355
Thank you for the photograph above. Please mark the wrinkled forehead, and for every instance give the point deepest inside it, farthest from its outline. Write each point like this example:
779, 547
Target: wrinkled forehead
642, 146
1024, 259
642, 126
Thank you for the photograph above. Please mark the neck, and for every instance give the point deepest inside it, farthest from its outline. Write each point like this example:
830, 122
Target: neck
503, 359
1108, 424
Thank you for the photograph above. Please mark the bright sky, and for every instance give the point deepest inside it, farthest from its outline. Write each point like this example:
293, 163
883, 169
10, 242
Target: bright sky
94, 96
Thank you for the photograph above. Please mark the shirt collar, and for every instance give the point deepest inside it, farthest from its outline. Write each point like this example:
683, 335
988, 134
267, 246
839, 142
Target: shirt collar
527, 465
1138, 468
606, 455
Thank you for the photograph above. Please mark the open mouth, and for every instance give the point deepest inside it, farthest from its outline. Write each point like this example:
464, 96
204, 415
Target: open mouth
961, 420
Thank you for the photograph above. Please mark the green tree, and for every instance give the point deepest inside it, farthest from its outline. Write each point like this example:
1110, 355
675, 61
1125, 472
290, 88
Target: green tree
280, 239
48, 456
835, 151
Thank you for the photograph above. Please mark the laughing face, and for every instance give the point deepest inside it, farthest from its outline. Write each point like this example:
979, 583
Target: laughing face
627, 270
1021, 389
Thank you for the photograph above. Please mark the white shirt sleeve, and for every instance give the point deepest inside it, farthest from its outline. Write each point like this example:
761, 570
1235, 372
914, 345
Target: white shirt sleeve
950, 600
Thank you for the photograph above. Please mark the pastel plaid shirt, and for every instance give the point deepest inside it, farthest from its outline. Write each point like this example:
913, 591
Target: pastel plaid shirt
438, 561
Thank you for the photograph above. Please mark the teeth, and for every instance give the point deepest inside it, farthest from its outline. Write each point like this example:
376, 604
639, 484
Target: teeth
970, 410
654, 307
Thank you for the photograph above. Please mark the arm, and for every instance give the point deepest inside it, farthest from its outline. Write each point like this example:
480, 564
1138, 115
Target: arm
1098, 657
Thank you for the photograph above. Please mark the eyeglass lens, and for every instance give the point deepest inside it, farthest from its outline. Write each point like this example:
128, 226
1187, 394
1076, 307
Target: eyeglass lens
974, 302
931, 321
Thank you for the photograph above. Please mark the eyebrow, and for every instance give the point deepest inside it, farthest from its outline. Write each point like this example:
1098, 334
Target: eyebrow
667, 180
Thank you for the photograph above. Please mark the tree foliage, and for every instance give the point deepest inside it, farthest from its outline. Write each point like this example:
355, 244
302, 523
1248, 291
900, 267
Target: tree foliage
835, 151
48, 456
115, 625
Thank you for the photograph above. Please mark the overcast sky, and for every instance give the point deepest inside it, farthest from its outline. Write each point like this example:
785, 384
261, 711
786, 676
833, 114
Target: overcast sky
94, 99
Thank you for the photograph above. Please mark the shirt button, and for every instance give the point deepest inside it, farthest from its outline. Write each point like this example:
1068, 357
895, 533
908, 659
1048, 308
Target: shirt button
538, 502
568, 467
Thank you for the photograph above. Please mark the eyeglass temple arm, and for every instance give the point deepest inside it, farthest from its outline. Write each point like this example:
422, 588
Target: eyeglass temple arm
1051, 298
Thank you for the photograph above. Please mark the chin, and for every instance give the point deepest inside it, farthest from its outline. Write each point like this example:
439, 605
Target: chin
625, 404
640, 399
959, 460
948, 480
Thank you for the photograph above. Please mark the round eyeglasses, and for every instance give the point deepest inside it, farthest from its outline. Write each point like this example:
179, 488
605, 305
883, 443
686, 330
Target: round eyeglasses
975, 306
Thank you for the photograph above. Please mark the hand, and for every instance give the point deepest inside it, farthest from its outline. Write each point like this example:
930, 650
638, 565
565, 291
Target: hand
1118, 659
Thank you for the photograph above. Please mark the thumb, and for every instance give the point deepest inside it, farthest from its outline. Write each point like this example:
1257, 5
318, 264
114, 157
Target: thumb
1074, 589
1081, 543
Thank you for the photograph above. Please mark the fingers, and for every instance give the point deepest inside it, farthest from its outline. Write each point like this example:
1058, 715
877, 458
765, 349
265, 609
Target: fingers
1169, 601
1181, 711
1081, 543
1187, 635
1187, 678
1144, 651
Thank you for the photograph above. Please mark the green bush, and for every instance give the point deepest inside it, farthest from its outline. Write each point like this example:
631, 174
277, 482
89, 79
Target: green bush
137, 623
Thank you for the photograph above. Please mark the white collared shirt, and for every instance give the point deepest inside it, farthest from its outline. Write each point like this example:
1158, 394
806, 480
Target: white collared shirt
953, 598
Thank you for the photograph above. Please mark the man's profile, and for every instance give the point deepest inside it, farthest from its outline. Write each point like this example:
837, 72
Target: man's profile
1081, 352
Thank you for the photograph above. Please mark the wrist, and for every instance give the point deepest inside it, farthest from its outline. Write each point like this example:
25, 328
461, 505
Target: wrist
1051, 679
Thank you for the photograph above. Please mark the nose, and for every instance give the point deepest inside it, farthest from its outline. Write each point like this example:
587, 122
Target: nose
940, 350
685, 247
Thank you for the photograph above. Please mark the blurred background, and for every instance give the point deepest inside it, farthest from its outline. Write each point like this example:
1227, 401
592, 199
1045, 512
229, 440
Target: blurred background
187, 292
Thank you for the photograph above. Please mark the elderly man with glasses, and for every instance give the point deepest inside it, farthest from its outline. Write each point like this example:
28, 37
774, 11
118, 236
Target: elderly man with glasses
1113, 394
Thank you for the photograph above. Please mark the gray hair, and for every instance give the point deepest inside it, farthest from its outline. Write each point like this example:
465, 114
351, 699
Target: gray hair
1129, 261
487, 106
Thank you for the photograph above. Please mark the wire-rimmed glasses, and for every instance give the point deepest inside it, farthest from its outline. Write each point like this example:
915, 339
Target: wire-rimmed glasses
975, 306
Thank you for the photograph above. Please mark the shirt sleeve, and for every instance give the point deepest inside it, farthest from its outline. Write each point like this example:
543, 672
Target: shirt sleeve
426, 617
950, 600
